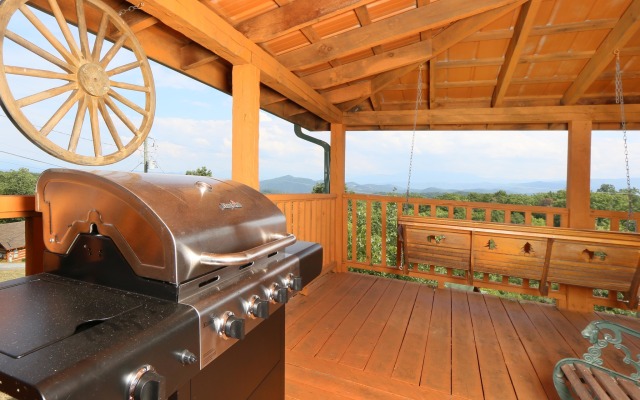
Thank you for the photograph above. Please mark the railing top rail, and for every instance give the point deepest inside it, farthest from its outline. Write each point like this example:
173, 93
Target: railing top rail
15, 206
299, 196
458, 203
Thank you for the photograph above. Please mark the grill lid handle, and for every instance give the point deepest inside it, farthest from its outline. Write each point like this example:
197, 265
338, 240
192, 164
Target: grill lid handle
247, 256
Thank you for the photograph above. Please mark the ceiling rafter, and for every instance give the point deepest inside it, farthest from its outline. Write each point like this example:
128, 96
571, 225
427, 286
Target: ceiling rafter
294, 16
624, 30
346, 93
572, 27
208, 29
365, 19
138, 20
313, 37
193, 55
516, 45
411, 54
440, 43
433, 15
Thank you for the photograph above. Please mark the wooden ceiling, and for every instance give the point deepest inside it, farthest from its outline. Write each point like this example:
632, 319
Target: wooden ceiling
481, 64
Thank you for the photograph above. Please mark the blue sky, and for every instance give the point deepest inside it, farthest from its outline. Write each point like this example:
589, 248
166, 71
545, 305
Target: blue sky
192, 128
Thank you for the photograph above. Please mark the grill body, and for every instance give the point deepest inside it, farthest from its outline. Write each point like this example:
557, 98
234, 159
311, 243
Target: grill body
154, 287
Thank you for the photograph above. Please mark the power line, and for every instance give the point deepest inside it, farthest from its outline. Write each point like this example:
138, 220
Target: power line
31, 159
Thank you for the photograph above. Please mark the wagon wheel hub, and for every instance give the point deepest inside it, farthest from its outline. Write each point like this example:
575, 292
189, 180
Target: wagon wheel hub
93, 79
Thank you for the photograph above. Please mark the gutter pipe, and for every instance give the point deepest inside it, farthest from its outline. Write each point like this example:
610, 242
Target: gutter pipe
327, 153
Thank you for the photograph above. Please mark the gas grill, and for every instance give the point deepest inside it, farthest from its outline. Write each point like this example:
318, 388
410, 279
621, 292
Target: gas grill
154, 287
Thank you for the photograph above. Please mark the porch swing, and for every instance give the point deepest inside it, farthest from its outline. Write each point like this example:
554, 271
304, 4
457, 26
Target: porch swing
566, 256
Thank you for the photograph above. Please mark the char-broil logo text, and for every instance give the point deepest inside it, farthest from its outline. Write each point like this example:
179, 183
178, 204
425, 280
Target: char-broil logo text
230, 205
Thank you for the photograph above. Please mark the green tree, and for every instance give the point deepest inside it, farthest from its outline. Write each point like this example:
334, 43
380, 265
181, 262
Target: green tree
20, 182
606, 188
318, 188
202, 171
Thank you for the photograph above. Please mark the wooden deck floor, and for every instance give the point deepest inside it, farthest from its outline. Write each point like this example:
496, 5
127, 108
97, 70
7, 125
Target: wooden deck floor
360, 337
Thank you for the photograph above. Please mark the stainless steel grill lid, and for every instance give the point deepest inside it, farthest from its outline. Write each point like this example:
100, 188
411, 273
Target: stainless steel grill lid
171, 228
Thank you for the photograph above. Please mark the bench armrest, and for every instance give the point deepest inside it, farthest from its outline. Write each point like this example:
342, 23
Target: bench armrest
603, 333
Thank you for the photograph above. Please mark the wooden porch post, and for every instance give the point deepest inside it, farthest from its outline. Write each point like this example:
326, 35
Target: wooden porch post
578, 199
245, 125
337, 174
579, 175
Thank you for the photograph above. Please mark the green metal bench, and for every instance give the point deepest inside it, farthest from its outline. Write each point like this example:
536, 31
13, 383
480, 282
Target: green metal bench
587, 378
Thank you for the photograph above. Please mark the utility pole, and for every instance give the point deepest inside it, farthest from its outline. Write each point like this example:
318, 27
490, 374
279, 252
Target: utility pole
145, 157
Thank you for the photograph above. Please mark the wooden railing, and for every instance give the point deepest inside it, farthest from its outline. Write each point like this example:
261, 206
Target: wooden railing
311, 217
24, 207
380, 212
614, 220
371, 243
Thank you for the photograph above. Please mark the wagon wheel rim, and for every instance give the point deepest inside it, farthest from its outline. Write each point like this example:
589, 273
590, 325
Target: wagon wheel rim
91, 88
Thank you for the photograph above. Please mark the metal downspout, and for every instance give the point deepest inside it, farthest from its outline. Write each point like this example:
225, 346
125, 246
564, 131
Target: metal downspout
327, 153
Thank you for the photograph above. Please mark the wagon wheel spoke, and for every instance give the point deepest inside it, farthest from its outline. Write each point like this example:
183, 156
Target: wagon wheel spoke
91, 101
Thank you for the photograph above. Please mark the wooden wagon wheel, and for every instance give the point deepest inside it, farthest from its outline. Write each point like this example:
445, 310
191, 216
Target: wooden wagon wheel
90, 83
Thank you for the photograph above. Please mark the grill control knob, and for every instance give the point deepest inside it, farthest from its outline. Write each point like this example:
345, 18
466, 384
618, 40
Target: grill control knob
259, 308
233, 327
147, 384
295, 282
279, 294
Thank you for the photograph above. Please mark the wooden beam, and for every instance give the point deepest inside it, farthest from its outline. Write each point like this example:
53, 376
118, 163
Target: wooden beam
432, 84
346, 93
138, 20
269, 96
431, 16
516, 45
390, 60
459, 84
378, 83
581, 26
481, 62
553, 57
624, 30
193, 55
205, 27
507, 115
440, 43
294, 16
245, 125
542, 30
579, 174
528, 59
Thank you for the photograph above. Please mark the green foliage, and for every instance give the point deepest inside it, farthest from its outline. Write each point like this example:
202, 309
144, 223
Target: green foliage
318, 188
20, 182
202, 171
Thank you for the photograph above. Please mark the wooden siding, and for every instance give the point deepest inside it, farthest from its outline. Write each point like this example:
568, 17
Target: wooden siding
311, 218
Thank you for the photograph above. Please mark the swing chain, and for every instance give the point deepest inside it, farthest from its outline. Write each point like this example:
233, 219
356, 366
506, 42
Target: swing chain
623, 125
415, 124
405, 207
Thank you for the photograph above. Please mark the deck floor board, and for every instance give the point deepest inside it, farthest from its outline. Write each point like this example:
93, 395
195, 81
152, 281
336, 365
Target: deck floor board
364, 337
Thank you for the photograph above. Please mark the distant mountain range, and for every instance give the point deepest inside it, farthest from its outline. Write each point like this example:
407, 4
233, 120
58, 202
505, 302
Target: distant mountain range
292, 184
